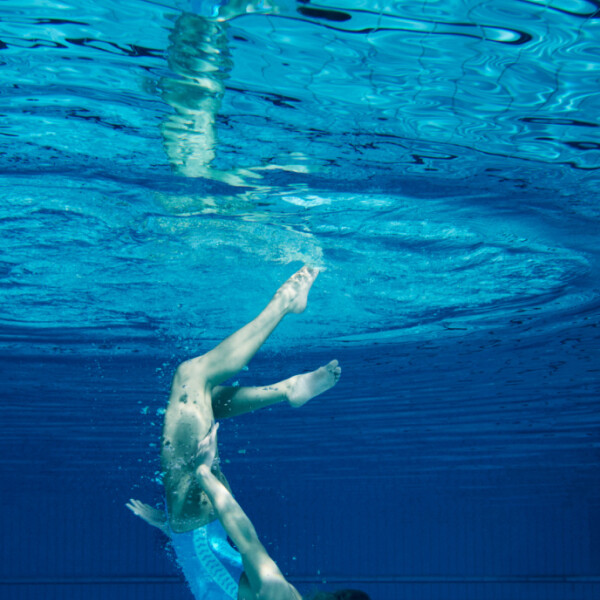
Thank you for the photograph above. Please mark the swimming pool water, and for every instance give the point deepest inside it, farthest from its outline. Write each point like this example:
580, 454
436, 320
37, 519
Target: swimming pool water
163, 173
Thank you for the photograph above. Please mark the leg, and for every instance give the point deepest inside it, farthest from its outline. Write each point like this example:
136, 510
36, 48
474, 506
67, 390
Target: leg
235, 352
297, 390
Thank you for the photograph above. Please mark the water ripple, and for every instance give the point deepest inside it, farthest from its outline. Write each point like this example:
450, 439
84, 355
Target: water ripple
321, 132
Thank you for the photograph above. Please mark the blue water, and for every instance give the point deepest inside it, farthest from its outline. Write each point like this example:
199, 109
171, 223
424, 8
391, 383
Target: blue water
166, 165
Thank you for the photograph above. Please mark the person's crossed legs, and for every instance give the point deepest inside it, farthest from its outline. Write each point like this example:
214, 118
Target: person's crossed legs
197, 398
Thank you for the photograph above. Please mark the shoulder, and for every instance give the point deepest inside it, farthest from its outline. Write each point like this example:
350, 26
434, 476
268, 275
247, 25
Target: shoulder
263, 577
278, 589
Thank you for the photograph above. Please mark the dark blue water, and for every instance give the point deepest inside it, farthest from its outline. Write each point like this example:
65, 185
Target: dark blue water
166, 165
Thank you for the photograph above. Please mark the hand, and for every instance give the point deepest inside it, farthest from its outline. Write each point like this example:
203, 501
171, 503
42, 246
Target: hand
207, 448
152, 516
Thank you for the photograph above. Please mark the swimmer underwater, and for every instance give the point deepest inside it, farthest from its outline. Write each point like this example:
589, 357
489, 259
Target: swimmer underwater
201, 510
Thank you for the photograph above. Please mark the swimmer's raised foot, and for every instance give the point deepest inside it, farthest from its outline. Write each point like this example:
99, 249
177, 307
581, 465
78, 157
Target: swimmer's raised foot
294, 292
308, 385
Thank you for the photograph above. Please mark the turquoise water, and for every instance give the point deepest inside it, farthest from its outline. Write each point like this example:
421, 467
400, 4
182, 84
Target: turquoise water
439, 160
166, 165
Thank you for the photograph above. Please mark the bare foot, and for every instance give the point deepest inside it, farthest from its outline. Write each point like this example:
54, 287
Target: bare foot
294, 292
308, 385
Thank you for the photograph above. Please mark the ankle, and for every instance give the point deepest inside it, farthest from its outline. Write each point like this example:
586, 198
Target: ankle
281, 303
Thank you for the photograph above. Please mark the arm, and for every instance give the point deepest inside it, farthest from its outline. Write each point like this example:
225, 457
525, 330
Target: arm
264, 576
153, 516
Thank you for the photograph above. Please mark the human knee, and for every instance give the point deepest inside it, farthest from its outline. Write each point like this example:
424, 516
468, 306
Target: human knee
190, 369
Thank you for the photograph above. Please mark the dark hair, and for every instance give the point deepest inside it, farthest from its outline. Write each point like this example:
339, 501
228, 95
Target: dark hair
339, 595
350, 595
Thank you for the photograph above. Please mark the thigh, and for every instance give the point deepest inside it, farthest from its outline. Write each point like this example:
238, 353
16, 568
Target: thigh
191, 391
189, 416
